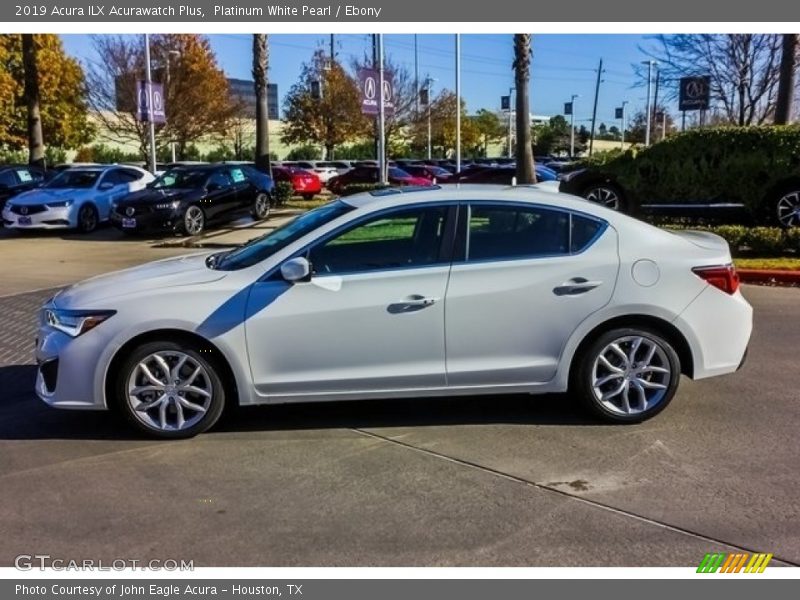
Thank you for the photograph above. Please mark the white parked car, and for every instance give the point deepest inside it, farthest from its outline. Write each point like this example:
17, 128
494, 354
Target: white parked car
477, 290
323, 170
77, 198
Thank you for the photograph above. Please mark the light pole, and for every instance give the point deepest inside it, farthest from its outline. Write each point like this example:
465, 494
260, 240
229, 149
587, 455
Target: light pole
458, 102
622, 126
170, 53
151, 126
650, 64
572, 125
511, 91
428, 81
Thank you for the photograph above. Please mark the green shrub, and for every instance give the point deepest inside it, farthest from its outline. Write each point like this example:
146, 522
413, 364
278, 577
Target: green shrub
735, 235
765, 241
357, 188
793, 239
283, 191
713, 164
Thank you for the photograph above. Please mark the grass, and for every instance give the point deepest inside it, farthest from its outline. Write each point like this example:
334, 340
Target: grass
783, 264
302, 204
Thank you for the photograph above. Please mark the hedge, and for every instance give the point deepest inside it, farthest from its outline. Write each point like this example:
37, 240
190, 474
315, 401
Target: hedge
730, 164
760, 241
283, 191
357, 188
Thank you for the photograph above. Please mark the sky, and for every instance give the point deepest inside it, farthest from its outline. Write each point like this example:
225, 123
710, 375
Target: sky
563, 65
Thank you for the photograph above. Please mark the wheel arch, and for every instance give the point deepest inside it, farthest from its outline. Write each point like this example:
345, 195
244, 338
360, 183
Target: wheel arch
671, 333
227, 375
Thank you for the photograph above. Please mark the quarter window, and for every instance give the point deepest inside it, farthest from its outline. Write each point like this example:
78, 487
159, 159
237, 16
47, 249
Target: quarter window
408, 238
584, 231
502, 233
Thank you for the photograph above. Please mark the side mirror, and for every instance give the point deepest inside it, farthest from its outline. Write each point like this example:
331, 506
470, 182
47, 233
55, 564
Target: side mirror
105, 186
296, 270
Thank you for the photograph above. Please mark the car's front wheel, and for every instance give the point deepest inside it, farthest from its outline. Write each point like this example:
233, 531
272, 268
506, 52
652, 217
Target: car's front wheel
261, 206
627, 375
170, 390
194, 220
787, 208
87, 218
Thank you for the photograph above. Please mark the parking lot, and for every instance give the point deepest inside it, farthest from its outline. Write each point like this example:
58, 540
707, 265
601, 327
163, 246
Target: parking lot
490, 481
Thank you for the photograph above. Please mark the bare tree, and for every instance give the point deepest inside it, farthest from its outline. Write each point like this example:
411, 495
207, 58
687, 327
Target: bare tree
744, 70
522, 78
31, 67
261, 80
783, 108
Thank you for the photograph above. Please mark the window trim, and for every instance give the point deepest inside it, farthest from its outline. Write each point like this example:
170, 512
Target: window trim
446, 246
463, 234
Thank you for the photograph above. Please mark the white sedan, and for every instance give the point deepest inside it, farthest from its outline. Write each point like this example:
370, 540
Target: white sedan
77, 198
475, 290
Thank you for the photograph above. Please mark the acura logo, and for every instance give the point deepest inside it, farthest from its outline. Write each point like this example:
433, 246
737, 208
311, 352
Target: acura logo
695, 89
369, 88
129, 211
23, 210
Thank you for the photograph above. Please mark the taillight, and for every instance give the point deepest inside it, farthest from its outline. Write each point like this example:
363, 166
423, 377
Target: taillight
723, 277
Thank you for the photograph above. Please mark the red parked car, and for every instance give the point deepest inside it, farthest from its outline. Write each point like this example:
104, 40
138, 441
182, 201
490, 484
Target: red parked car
305, 183
371, 174
429, 172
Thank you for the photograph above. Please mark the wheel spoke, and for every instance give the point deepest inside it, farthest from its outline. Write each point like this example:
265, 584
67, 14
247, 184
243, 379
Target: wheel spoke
654, 369
162, 414
146, 388
620, 352
616, 392
191, 389
175, 372
163, 365
651, 385
626, 401
149, 375
145, 406
634, 348
193, 376
642, 394
191, 405
607, 364
604, 380
650, 354
179, 420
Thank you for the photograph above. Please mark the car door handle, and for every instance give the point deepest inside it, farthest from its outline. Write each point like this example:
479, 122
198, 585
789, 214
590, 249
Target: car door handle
412, 303
576, 286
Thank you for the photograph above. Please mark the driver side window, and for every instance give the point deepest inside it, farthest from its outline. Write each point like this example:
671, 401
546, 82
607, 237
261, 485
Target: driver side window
219, 179
407, 238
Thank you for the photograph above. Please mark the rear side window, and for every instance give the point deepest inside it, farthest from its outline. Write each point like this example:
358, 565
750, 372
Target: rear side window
129, 175
513, 232
584, 232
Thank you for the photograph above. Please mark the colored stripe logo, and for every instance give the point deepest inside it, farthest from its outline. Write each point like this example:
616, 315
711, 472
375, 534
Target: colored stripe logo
738, 562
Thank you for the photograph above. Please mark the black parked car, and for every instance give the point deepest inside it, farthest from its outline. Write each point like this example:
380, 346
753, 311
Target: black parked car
15, 179
187, 199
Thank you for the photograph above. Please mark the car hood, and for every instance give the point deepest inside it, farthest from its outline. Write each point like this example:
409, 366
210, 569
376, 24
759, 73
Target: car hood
149, 195
45, 195
170, 272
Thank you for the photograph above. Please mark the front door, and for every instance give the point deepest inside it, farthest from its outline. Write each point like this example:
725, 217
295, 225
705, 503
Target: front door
527, 277
220, 199
370, 319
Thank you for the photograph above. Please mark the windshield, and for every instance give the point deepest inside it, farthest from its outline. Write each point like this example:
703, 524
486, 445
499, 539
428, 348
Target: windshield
398, 173
181, 178
254, 251
74, 178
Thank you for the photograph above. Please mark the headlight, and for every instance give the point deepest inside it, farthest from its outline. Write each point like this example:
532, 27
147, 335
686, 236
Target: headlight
75, 322
62, 204
166, 205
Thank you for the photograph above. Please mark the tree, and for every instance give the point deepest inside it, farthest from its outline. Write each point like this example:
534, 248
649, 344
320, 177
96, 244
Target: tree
522, 78
329, 120
261, 80
488, 127
637, 125
63, 113
443, 126
744, 70
198, 100
552, 136
30, 66
783, 108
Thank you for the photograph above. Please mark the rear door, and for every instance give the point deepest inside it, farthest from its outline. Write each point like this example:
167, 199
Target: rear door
244, 187
525, 277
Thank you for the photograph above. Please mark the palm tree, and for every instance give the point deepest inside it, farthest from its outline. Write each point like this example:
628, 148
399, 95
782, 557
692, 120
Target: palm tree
31, 68
261, 79
783, 108
522, 78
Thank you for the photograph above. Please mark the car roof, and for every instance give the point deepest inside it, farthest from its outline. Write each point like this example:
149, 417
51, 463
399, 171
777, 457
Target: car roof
542, 193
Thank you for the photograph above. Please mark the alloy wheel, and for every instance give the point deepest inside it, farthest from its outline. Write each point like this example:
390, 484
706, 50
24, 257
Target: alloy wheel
604, 196
631, 375
789, 209
87, 218
194, 220
262, 206
169, 391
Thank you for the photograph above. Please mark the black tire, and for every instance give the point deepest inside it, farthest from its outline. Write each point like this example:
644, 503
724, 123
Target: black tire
582, 384
308, 196
88, 218
606, 194
262, 205
206, 420
784, 207
194, 220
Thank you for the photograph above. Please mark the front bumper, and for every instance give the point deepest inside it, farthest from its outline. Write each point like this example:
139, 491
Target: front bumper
52, 218
167, 219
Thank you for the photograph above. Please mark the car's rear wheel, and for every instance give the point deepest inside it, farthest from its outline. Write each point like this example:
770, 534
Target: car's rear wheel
606, 195
87, 218
627, 375
787, 207
261, 206
170, 390
194, 220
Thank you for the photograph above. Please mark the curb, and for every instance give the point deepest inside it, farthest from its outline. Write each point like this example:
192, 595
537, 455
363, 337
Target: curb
768, 276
